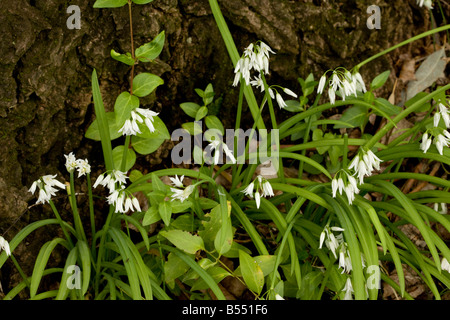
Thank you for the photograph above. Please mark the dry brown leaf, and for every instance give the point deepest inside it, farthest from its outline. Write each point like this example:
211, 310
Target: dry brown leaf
408, 70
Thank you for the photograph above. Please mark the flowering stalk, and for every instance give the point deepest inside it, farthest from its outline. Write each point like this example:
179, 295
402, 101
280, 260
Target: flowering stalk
60, 221
71, 165
234, 55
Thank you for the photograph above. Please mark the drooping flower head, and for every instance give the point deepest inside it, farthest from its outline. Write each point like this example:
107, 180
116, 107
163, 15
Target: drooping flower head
331, 241
342, 81
343, 181
437, 136
427, 3
47, 188
364, 163
123, 200
138, 115
258, 188
4, 245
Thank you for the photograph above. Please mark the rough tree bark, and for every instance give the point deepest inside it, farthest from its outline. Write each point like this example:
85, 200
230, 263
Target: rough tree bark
45, 70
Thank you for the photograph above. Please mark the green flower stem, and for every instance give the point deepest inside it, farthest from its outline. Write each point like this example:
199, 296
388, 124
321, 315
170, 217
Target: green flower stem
345, 155
58, 217
125, 153
420, 36
19, 269
237, 179
101, 248
237, 126
91, 204
234, 55
76, 214
416, 105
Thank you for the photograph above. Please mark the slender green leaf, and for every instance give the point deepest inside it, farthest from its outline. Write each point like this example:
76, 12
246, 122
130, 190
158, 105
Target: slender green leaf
41, 262
102, 123
63, 291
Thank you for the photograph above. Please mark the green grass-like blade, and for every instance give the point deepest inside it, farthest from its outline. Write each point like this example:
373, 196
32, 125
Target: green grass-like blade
63, 291
201, 272
102, 122
41, 262
415, 217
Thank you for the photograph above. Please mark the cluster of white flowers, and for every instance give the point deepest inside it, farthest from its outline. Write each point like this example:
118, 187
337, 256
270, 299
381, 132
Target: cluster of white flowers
256, 57
48, 185
331, 241
342, 81
258, 188
81, 165
364, 163
441, 137
4, 245
426, 3
337, 244
118, 196
343, 181
216, 146
182, 193
47, 188
138, 115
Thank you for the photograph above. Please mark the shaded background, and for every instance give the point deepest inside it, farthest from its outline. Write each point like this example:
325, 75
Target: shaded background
45, 71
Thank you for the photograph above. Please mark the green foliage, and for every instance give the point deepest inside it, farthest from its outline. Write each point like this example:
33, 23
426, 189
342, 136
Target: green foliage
293, 237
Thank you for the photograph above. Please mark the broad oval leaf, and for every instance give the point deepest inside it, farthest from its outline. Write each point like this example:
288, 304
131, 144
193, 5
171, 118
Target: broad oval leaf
151, 216
145, 83
201, 113
193, 128
165, 212
251, 272
123, 106
124, 58
117, 154
93, 132
183, 240
110, 3
190, 108
151, 50
380, 80
142, 1
212, 122
355, 116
